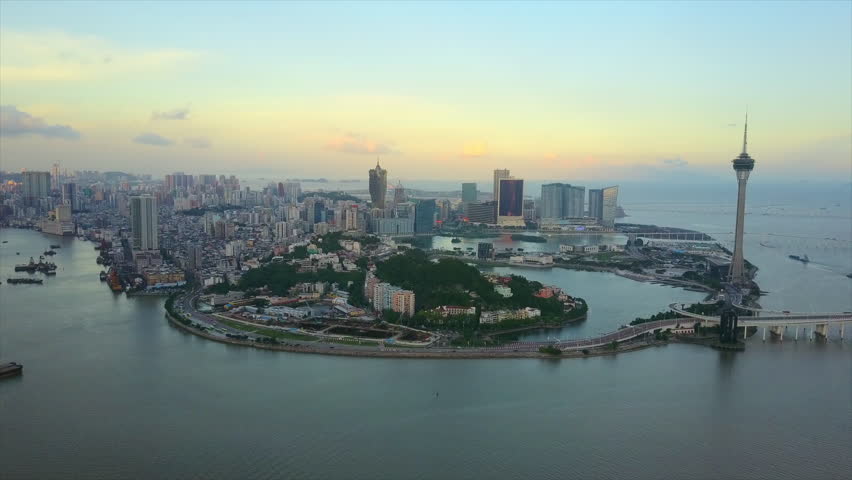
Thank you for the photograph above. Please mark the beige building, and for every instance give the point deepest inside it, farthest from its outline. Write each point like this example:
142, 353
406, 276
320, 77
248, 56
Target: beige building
403, 302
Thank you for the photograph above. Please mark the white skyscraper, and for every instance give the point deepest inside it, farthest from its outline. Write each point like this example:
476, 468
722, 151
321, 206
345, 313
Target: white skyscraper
144, 222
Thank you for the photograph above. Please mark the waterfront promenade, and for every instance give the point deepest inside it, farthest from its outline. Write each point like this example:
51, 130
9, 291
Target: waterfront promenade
600, 344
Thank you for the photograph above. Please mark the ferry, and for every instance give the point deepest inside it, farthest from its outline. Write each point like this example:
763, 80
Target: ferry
11, 369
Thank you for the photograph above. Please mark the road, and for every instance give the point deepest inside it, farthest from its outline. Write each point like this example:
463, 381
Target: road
185, 304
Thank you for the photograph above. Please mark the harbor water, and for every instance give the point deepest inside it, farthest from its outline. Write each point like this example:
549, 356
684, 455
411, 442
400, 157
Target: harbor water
111, 391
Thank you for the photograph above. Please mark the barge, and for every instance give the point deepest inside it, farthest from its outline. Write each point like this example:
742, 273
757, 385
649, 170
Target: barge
11, 369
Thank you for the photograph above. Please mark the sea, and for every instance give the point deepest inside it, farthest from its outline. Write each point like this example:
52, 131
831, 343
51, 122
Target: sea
111, 391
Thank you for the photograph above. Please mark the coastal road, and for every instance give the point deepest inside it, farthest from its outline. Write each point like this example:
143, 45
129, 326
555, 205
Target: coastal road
186, 304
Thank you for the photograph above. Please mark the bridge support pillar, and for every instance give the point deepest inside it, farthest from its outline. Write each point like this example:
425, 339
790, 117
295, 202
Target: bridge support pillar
777, 330
797, 333
745, 333
764, 334
841, 331
821, 329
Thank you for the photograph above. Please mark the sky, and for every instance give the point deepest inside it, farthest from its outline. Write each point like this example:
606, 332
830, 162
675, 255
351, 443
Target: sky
570, 90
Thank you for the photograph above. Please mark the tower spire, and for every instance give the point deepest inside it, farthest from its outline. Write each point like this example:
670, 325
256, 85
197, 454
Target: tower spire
745, 134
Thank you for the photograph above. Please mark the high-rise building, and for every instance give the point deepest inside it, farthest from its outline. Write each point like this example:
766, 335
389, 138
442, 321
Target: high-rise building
69, 195
743, 165
383, 296
378, 186
61, 222
350, 218
144, 222
610, 206
552, 201
469, 193
499, 174
54, 177
444, 210
481, 212
575, 201
402, 302
596, 203
398, 193
424, 216
510, 206
36, 187
207, 179
561, 200
290, 191
281, 231
195, 257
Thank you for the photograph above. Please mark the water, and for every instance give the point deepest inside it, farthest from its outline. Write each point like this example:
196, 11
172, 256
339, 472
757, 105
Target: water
112, 391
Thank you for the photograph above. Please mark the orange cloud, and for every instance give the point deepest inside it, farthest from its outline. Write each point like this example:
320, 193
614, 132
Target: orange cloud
474, 149
356, 143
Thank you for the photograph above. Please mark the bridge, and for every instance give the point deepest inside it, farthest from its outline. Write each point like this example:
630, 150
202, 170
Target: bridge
777, 322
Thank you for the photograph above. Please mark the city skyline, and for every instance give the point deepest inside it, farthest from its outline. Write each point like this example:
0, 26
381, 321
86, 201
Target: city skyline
216, 106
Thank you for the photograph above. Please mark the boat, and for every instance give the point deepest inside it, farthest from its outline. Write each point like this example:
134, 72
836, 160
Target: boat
103, 276
11, 369
456, 240
15, 281
49, 252
49, 272
849, 275
26, 267
803, 259
114, 282
56, 246
5, 241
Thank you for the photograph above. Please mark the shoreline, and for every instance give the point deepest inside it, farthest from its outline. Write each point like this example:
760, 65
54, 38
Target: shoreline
673, 282
340, 350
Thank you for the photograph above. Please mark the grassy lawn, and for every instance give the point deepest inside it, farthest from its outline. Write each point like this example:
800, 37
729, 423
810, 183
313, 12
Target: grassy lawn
269, 332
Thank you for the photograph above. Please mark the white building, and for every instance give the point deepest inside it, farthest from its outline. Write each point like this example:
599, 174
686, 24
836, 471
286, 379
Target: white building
144, 222
503, 290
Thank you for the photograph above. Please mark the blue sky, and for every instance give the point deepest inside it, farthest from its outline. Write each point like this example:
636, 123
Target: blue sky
585, 89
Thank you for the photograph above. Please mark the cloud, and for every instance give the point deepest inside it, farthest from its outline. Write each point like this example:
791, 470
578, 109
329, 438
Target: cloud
176, 114
14, 123
197, 142
356, 143
674, 162
474, 149
52, 56
153, 139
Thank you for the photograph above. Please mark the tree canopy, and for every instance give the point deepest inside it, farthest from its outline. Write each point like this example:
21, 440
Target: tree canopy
450, 282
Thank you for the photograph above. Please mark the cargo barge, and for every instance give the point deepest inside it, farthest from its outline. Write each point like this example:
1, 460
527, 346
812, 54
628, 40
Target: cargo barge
11, 369
15, 281
32, 266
